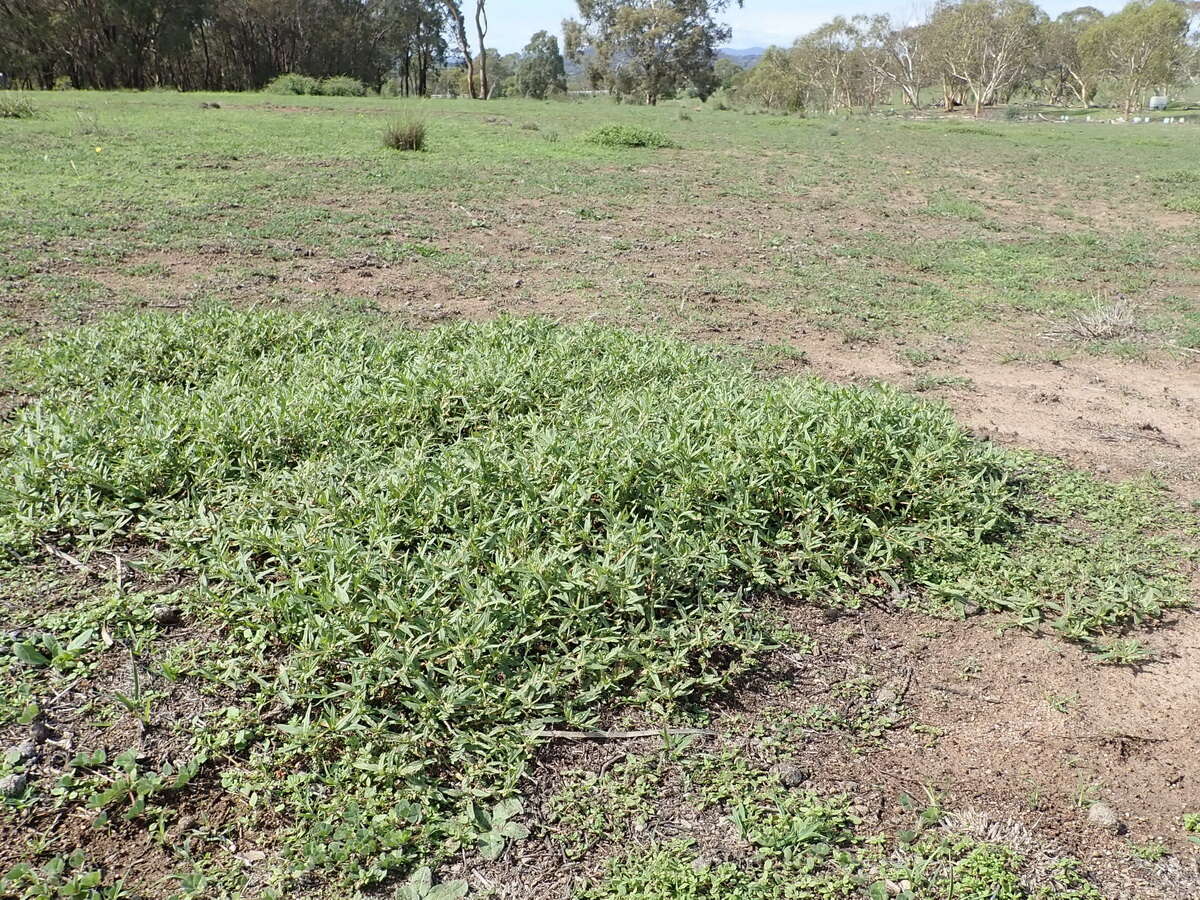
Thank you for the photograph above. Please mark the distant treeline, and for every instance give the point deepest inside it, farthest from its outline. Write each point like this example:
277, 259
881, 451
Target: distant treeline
220, 44
977, 53
970, 52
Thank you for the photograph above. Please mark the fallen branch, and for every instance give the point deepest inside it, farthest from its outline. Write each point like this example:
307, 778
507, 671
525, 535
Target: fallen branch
90, 570
624, 735
908, 680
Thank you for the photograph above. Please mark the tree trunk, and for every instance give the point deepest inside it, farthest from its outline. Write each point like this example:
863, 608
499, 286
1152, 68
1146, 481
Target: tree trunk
460, 34
481, 29
207, 62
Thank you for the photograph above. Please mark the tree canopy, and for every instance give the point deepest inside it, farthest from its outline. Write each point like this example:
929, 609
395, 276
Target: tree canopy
983, 52
1144, 45
963, 52
541, 70
647, 47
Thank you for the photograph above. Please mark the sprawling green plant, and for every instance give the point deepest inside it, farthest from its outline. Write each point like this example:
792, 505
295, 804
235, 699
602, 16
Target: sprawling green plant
629, 136
423, 548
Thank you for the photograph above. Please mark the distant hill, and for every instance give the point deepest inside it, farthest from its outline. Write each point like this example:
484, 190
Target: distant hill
743, 57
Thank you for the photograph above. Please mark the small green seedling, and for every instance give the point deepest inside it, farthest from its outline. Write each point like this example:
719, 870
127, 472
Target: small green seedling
497, 827
421, 887
1191, 824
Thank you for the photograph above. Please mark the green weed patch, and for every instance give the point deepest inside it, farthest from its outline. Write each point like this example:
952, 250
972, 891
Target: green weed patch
629, 136
16, 107
421, 549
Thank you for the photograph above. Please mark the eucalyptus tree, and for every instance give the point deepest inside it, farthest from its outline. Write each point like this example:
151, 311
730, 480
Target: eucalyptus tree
648, 47
458, 26
541, 70
775, 82
828, 55
985, 47
1142, 46
1063, 69
897, 54
217, 44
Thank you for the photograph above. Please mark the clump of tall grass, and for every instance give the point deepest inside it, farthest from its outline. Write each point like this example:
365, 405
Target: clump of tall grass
407, 132
1109, 318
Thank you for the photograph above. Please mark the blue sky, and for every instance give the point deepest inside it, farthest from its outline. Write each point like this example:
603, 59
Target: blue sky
761, 22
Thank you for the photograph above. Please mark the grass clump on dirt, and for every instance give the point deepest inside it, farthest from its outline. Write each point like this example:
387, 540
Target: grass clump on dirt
787, 842
415, 551
629, 136
821, 863
405, 133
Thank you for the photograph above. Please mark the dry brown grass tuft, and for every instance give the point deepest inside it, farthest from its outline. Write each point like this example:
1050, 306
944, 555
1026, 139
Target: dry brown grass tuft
1108, 319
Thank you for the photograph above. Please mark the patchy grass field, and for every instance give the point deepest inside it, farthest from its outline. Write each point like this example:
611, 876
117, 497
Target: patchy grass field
965, 223
304, 600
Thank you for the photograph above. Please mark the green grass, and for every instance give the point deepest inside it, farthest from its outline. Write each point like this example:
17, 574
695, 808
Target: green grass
1022, 226
400, 555
420, 549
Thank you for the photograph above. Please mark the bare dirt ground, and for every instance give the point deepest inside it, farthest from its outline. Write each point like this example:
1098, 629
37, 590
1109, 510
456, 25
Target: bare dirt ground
1034, 732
